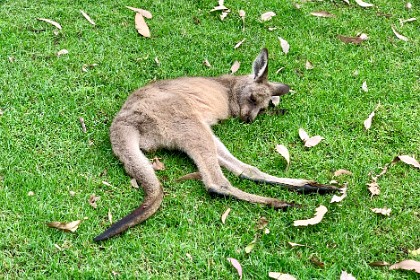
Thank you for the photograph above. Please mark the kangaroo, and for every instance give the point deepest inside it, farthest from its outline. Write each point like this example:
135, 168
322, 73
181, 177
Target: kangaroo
178, 114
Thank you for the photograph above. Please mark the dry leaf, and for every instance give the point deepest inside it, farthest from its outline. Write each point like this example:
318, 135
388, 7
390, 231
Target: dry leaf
190, 176
284, 45
92, 200
346, 276
242, 14
141, 25
157, 60
313, 141
235, 67
408, 160
368, 122
340, 172
56, 24
322, 14
224, 14
106, 184
399, 36
353, 40
320, 212
408, 6
374, 188
62, 52
71, 226
402, 21
379, 264
407, 265
337, 198
31, 193
363, 4
267, 16
314, 260
250, 246
383, 211
303, 135
296, 244
85, 67
262, 223
279, 70
82, 124
364, 87
284, 152
207, 63
109, 216
275, 100
87, 17
346, 1
308, 65
237, 266
415, 252
144, 13
72, 193
224, 216
239, 44
157, 164
280, 276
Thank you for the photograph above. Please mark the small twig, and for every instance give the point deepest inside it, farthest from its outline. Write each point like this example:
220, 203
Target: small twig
82, 123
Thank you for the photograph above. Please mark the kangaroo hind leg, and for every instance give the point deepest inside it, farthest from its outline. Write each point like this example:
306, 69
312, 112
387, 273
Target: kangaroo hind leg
125, 141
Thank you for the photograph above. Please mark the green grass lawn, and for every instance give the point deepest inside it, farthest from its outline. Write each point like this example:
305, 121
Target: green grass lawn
44, 150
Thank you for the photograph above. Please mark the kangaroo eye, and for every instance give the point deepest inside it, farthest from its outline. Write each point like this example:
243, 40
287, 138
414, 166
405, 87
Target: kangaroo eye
252, 99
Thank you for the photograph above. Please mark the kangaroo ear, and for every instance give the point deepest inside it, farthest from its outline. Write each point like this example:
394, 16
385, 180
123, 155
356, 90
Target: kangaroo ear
260, 66
280, 89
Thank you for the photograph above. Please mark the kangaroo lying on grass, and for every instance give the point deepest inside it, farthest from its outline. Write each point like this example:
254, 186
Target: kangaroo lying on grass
178, 114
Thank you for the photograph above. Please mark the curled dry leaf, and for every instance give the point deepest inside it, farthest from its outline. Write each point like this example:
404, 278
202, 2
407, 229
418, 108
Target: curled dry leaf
239, 44
141, 25
284, 45
93, 199
414, 252
87, 17
250, 246
207, 63
296, 244
303, 135
408, 160
313, 141
71, 226
106, 184
224, 216
383, 211
56, 24
411, 265
133, 183
284, 152
322, 14
144, 13
320, 212
337, 198
267, 16
235, 67
280, 276
364, 87
346, 276
190, 176
399, 36
340, 172
237, 266
62, 52
309, 65
402, 21
368, 122
157, 164
82, 124
379, 264
363, 4
275, 100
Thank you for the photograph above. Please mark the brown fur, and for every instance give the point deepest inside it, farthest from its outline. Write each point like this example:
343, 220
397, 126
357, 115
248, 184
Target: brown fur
178, 114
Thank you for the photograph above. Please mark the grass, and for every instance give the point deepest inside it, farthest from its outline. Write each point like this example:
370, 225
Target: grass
44, 150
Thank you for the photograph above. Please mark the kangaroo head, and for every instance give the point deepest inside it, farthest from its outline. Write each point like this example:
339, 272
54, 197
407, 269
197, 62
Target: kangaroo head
255, 91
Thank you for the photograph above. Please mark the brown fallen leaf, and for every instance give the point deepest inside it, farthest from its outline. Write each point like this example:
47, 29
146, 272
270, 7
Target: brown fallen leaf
239, 44
280, 276
383, 211
157, 164
363, 4
133, 183
93, 199
224, 14
337, 198
224, 216
398, 35
308, 65
411, 265
368, 122
237, 266
86, 67
56, 24
408, 160
353, 40
141, 25
235, 67
250, 246
87, 17
62, 52
303, 135
315, 261
207, 63
71, 226
374, 188
267, 16
82, 124
379, 264
414, 252
346, 276
320, 212
190, 176
284, 45
402, 21
144, 13
322, 14
262, 223
364, 87
313, 141
340, 172
284, 152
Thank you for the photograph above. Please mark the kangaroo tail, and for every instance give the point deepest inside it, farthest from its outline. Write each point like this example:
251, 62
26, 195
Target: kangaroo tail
125, 144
